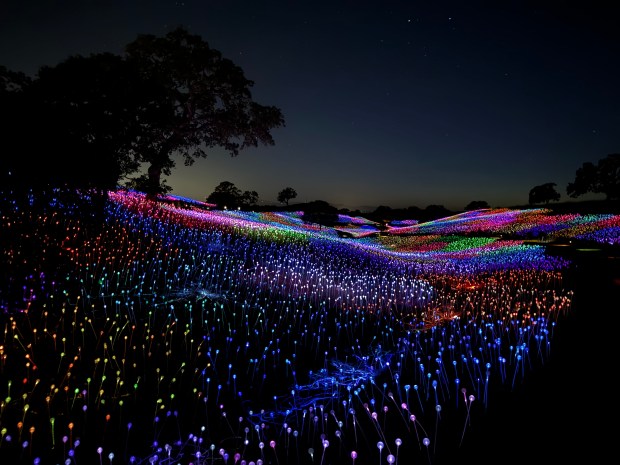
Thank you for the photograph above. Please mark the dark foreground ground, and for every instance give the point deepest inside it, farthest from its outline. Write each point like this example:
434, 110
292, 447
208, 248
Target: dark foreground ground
566, 412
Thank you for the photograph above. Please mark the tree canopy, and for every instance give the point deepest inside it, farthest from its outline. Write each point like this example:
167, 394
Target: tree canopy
227, 195
202, 100
602, 178
286, 195
543, 193
100, 118
476, 205
320, 212
89, 111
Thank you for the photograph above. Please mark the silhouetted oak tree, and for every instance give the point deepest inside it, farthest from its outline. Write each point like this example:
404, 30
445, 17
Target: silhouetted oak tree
433, 212
200, 100
602, 178
320, 212
72, 126
91, 121
225, 195
543, 193
89, 110
286, 194
248, 200
476, 205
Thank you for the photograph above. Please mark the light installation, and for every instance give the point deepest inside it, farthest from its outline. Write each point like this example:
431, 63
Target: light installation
182, 334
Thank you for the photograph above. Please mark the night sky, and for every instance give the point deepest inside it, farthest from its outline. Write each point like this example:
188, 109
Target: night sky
396, 103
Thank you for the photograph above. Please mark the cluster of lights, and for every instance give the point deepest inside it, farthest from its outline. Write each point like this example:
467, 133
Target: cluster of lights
179, 332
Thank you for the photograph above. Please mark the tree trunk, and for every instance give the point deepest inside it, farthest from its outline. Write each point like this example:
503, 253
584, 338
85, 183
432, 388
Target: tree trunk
154, 173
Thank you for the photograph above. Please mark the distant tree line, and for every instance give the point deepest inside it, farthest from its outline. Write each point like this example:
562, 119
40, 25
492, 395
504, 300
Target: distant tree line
228, 196
601, 178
